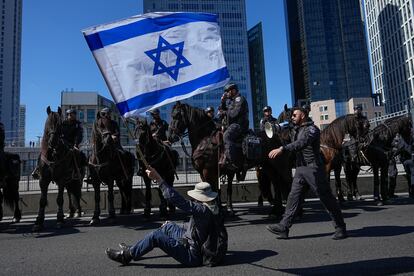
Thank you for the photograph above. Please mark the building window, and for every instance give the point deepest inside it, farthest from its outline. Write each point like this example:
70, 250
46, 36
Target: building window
324, 117
90, 115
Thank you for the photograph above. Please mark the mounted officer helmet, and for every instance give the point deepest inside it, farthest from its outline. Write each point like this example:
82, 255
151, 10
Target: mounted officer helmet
70, 111
230, 86
105, 111
267, 108
209, 109
155, 112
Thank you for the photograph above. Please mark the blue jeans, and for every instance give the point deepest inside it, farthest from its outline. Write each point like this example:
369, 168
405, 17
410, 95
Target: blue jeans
168, 239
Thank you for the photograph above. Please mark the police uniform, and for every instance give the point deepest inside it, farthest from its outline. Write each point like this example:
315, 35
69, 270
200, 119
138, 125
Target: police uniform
309, 171
159, 128
404, 149
237, 118
72, 132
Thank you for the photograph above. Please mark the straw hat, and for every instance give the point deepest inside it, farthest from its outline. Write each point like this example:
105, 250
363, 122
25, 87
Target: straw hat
202, 192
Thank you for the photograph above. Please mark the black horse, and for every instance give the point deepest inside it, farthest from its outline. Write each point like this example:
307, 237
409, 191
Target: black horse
57, 163
109, 163
9, 189
160, 157
376, 148
332, 138
206, 144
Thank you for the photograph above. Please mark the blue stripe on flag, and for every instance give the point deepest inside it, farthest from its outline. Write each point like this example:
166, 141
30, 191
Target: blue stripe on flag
107, 37
151, 98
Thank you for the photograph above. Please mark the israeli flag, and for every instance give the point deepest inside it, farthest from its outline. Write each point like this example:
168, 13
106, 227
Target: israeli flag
154, 59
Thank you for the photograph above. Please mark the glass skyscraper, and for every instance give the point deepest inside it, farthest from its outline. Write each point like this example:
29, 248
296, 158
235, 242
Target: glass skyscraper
257, 73
327, 51
233, 26
390, 35
10, 53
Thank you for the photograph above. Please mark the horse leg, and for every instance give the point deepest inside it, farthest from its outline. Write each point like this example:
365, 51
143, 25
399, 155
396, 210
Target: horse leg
338, 183
97, 212
44, 185
111, 207
384, 184
74, 190
59, 202
230, 177
17, 216
376, 183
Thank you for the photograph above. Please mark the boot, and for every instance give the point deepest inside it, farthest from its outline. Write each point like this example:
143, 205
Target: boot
340, 233
36, 173
121, 256
279, 230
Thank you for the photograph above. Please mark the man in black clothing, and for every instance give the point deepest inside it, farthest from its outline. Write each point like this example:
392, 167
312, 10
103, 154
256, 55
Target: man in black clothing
309, 171
72, 130
237, 117
158, 126
267, 117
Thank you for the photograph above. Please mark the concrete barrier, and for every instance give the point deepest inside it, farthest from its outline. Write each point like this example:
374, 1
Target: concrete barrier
242, 192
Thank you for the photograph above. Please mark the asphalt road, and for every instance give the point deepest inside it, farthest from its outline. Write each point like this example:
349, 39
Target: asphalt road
381, 242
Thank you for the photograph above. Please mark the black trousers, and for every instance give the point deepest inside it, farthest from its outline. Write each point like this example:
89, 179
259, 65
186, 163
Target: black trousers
316, 178
230, 136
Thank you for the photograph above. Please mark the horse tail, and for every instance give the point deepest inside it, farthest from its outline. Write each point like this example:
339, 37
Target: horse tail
11, 192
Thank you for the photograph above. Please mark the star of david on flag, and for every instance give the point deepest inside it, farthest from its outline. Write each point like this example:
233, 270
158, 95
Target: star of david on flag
177, 49
154, 59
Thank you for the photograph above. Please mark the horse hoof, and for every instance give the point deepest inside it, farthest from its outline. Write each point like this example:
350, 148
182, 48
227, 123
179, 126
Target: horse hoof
70, 215
94, 221
37, 228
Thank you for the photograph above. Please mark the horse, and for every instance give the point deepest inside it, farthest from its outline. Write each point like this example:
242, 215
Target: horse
206, 144
10, 186
376, 146
332, 138
109, 163
276, 172
160, 157
57, 163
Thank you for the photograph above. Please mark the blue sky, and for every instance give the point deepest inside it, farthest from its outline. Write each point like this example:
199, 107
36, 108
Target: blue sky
55, 56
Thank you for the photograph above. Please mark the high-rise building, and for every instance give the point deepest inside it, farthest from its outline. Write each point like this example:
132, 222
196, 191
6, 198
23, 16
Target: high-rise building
10, 52
22, 125
87, 106
257, 73
233, 27
390, 36
327, 51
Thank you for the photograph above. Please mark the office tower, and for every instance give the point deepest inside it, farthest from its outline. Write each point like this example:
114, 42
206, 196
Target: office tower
22, 125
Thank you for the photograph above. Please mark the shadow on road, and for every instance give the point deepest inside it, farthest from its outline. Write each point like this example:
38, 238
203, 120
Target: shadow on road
247, 257
386, 266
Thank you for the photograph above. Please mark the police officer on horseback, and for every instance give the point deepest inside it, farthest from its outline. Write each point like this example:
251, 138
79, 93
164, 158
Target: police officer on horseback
210, 113
267, 117
105, 114
72, 130
237, 117
158, 126
309, 172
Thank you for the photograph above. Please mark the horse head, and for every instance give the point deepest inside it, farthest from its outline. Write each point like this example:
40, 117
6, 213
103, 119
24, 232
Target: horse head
102, 138
143, 132
53, 130
179, 122
285, 115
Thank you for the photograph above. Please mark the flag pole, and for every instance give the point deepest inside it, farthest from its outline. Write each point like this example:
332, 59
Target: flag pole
138, 150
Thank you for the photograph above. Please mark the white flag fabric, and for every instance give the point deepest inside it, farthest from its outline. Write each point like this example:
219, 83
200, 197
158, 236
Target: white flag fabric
154, 59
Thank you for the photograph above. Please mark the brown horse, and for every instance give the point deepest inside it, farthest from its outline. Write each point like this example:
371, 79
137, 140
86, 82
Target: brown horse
332, 138
206, 144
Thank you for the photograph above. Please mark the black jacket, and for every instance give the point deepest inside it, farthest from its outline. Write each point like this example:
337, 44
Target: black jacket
72, 132
237, 111
306, 144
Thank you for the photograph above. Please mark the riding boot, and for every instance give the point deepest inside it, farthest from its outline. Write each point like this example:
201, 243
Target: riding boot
340, 195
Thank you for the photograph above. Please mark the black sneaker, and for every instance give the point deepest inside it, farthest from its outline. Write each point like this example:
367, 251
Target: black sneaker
340, 233
121, 256
279, 230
